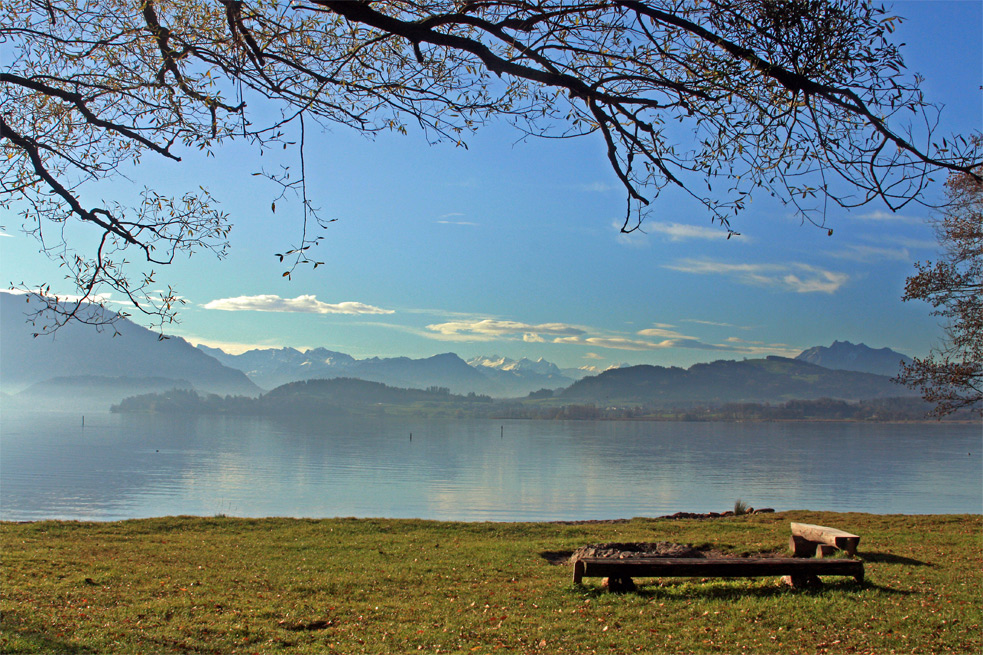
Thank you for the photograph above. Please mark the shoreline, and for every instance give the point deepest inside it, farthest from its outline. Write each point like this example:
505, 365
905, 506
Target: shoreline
701, 517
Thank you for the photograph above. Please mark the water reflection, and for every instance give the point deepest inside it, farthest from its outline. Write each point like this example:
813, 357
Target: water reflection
136, 466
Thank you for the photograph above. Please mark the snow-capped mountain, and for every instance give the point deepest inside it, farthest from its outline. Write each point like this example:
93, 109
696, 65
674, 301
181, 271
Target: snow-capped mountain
524, 365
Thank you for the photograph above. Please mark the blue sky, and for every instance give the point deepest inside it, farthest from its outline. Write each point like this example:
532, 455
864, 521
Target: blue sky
513, 248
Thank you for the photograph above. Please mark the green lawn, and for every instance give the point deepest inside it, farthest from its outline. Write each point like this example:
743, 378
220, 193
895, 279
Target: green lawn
224, 585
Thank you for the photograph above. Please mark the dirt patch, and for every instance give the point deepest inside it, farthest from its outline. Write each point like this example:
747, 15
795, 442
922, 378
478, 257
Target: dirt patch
557, 557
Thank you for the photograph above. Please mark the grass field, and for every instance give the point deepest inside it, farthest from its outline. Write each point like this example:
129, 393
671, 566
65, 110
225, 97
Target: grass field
228, 585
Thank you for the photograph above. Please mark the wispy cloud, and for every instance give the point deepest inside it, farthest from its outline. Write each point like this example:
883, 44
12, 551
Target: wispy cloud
814, 280
902, 241
883, 216
716, 324
94, 299
797, 277
453, 218
647, 339
232, 347
872, 253
4, 234
596, 187
493, 329
683, 231
661, 332
626, 343
762, 348
615, 343
307, 304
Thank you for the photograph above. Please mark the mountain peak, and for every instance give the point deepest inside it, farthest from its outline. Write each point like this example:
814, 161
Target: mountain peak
846, 356
77, 351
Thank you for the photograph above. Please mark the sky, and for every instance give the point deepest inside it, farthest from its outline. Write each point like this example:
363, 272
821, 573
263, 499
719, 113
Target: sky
513, 248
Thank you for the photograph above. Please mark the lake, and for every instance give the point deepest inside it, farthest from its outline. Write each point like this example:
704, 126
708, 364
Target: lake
127, 466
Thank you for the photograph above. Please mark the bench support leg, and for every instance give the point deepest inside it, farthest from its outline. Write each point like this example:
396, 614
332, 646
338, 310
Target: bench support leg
619, 585
578, 572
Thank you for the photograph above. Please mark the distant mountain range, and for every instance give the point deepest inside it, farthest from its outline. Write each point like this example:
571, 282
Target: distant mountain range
80, 363
133, 360
335, 397
494, 376
502, 377
761, 389
846, 356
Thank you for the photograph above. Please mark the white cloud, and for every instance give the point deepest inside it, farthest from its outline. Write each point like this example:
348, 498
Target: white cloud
4, 234
883, 216
453, 218
95, 298
624, 343
636, 238
815, 280
717, 324
873, 253
616, 343
902, 241
596, 187
492, 329
232, 347
797, 277
572, 335
307, 304
661, 332
682, 231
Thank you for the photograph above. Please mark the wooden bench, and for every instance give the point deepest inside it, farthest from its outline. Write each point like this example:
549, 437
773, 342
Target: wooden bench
731, 567
806, 538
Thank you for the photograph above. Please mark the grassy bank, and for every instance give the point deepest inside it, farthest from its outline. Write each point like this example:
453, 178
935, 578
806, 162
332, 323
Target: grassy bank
224, 585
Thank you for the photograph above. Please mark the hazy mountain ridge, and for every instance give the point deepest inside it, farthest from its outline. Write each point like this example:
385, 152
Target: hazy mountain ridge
773, 379
349, 398
496, 376
272, 367
81, 352
846, 356
333, 397
88, 392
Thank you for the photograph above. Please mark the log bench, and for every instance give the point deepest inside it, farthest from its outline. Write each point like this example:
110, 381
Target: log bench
729, 567
806, 538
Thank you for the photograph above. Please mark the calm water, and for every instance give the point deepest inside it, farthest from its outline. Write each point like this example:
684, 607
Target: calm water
119, 467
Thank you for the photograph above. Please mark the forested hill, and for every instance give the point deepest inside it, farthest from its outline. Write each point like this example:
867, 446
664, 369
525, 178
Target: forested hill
774, 379
347, 397
338, 396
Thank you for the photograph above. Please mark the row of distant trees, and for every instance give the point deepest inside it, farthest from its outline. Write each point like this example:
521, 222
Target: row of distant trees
436, 403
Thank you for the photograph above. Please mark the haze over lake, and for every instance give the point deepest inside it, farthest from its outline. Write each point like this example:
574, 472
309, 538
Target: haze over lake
130, 466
